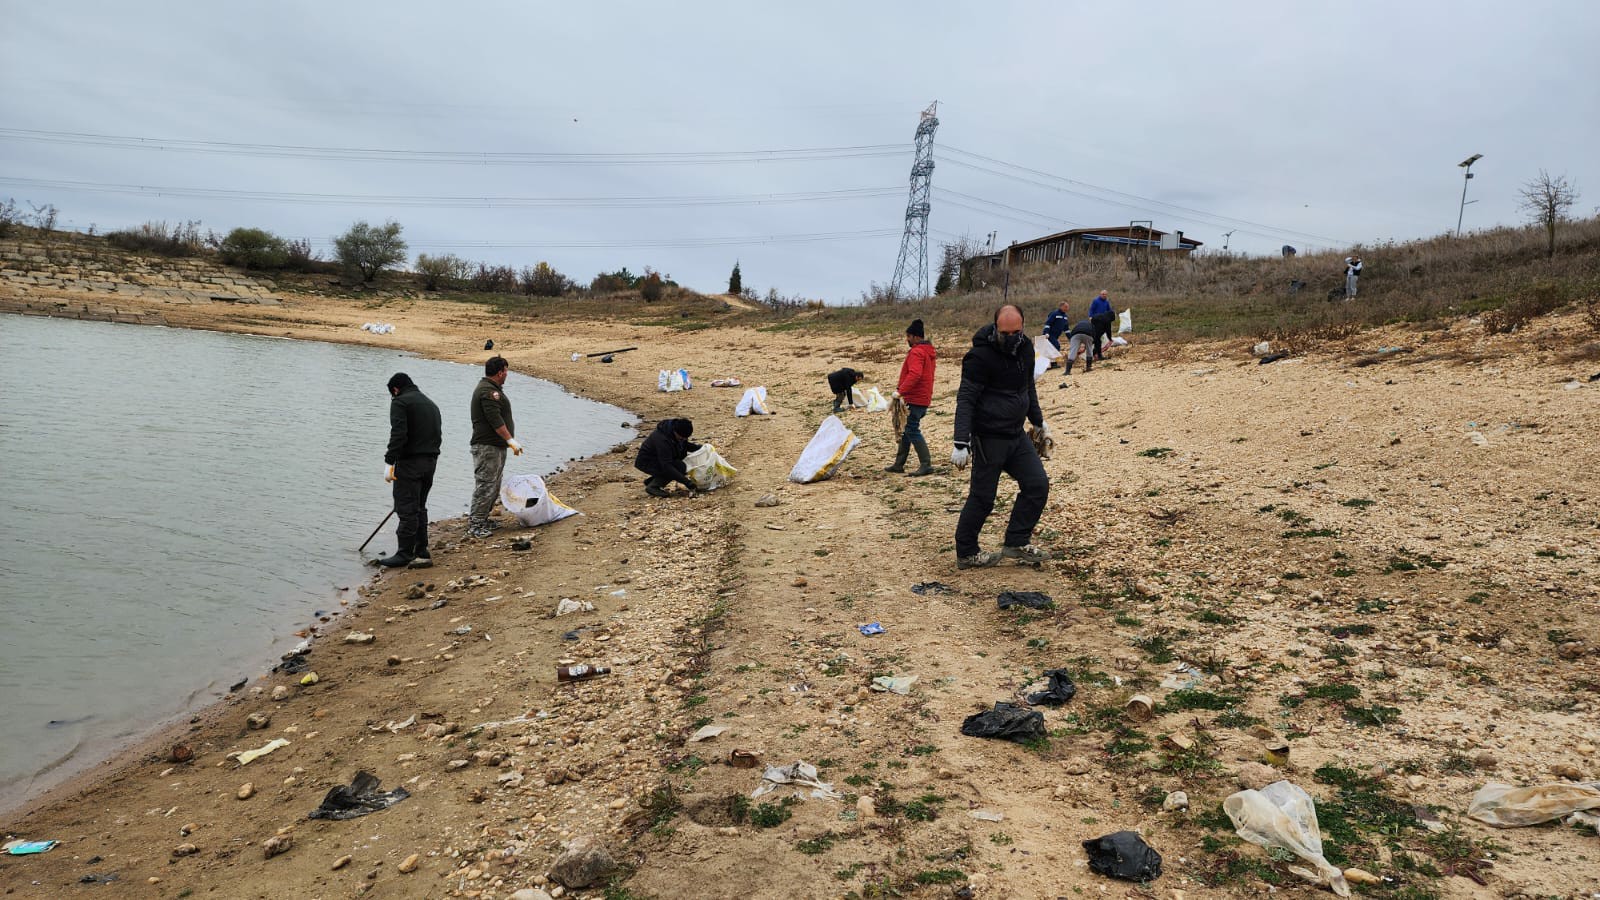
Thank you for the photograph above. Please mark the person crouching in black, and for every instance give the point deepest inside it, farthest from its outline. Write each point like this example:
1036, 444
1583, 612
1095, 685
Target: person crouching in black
661, 456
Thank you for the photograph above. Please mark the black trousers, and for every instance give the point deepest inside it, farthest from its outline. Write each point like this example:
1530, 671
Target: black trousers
1102, 330
1015, 457
413, 479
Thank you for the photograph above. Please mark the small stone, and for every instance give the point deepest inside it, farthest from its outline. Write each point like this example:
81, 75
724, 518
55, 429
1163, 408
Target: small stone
280, 693
1570, 773
800, 581
359, 637
1078, 765
1178, 742
246, 791
393, 660
530, 894
1262, 732
1485, 760
181, 753
767, 500
585, 862
276, 844
1254, 776
257, 721
866, 808
1146, 588
1175, 800
455, 764
188, 829
185, 850
1360, 876
341, 862
1415, 782
409, 864
152, 880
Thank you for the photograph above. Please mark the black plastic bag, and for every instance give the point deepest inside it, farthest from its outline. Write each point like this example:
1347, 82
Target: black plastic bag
1123, 855
1006, 721
356, 799
1030, 599
1061, 689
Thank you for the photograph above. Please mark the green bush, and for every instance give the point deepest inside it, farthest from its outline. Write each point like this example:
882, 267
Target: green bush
650, 287
254, 248
543, 280
366, 251
443, 271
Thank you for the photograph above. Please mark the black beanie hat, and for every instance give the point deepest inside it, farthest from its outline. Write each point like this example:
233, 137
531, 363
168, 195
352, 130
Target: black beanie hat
915, 328
400, 381
684, 428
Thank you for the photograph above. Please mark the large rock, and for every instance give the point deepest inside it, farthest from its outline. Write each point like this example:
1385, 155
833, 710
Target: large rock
586, 861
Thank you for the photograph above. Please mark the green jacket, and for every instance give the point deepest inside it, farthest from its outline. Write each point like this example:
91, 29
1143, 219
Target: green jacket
491, 408
414, 426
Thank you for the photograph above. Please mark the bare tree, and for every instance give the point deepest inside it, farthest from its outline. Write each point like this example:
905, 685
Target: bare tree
1547, 200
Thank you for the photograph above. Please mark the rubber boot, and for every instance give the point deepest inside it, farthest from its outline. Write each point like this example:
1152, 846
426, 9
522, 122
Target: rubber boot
926, 467
900, 458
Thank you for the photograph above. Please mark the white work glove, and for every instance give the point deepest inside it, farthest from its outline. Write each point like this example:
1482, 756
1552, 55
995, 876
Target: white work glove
388, 474
896, 396
516, 448
959, 456
1044, 431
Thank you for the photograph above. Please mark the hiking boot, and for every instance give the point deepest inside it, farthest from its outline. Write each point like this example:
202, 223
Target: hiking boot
480, 531
983, 559
654, 491
897, 468
396, 561
1027, 554
421, 561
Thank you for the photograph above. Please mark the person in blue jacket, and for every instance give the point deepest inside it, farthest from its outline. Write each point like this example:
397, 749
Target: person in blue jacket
1057, 323
1102, 315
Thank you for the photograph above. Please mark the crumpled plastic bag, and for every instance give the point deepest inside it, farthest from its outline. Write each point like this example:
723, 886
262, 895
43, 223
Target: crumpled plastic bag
876, 402
1006, 721
1030, 599
1060, 690
708, 469
1504, 806
1123, 855
797, 772
1283, 815
359, 797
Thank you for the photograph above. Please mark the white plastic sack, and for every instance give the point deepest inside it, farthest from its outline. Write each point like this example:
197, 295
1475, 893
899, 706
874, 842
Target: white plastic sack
1125, 322
1504, 806
876, 402
1043, 347
753, 403
707, 469
527, 498
1283, 815
828, 448
1040, 366
663, 378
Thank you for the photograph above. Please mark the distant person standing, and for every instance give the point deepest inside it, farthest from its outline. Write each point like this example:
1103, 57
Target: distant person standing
415, 433
916, 389
1102, 315
1056, 323
843, 383
492, 434
1352, 274
996, 397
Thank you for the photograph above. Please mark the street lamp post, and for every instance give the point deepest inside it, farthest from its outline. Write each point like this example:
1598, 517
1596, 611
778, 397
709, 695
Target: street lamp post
1465, 164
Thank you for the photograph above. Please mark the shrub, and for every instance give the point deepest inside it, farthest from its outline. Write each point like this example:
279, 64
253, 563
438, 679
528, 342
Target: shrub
10, 217
443, 271
1543, 297
614, 282
650, 287
254, 248
183, 239
736, 281
494, 279
366, 251
543, 280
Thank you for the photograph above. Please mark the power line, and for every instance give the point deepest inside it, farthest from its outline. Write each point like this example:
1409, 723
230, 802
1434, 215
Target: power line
453, 157
718, 241
1028, 212
456, 202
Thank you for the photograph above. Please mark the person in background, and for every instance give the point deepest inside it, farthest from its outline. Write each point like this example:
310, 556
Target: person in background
1102, 315
1056, 323
1082, 339
842, 383
661, 456
916, 389
1352, 274
492, 434
996, 397
415, 433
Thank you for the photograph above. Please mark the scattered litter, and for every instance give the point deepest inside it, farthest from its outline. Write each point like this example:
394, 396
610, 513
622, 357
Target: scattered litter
767, 501
292, 665
987, 815
727, 382
619, 592
707, 732
1282, 815
1060, 690
1272, 358
1262, 349
1477, 439
577, 357
247, 756
923, 588
772, 527
1140, 708
98, 879
1006, 721
1572, 385
1504, 806
309, 678
462, 631
797, 772
378, 328
871, 628
28, 848
1030, 599
1184, 678
359, 797
396, 727
674, 380
1123, 855
744, 759
569, 605
899, 685
876, 402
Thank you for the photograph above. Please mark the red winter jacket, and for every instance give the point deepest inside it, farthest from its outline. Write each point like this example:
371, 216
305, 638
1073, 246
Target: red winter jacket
916, 375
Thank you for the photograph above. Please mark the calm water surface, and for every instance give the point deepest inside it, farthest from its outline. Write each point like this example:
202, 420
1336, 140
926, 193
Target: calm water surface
173, 504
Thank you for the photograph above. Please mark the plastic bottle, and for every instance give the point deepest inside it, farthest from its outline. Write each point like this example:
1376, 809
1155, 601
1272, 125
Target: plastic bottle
580, 672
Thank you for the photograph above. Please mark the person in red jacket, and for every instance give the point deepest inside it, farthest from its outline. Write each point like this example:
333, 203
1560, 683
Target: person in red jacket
916, 389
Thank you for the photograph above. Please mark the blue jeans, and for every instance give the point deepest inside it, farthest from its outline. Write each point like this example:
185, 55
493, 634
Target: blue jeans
913, 430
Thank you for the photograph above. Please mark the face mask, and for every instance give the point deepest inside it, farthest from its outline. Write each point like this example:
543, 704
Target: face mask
1010, 343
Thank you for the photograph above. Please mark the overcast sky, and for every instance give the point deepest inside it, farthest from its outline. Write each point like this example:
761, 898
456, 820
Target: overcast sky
1282, 123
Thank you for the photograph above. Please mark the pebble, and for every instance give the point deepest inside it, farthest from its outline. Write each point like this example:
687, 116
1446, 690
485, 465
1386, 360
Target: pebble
341, 862
409, 864
359, 637
530, 894
257, 721
276, 844
1078, 765
767, 500
185, 850
1571, 773
866, 808
1485, 760
280, 693
393, 660
1255, 776
1175, 800
455, 764
246, 791
1360, 876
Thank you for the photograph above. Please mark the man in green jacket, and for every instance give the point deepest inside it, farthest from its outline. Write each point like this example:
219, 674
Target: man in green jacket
492, 433
415, 434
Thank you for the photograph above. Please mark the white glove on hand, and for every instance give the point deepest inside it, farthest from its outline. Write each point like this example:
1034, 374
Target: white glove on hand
1044, 431
959, 456
516, 448
388, 474
896, 396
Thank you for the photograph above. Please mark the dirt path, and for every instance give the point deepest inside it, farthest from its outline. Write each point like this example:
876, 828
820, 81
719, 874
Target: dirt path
1413, 610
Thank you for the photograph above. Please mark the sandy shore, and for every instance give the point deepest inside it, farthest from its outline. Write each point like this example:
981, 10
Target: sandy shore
1323, 538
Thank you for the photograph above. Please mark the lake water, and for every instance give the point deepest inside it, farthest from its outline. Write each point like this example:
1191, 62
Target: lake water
174, 504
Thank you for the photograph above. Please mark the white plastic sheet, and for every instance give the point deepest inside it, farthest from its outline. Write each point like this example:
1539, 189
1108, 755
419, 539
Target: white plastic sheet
527, 498
876, 402
1283, 815
1043, 347
1125, 322
826, 451
707, 469
753, 403
1504, 806
1040, 366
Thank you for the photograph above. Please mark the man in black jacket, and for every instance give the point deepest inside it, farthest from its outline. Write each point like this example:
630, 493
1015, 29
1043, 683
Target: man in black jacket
661, 456
842, 383
415, 434
995, 398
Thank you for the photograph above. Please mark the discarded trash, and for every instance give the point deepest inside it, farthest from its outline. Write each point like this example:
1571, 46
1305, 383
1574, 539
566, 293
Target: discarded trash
707, 732
1125, 321
28, 848
797, 772
579, 673
1262, 349
292, 665
1184, 678
1123, 855
247, 756
527, 498
674, 380
899, 685
1272, 358
1030, 599
1276, 754
744, 759
577, 356
1282, 815
753, 403
1504, 806
876, 402
1478, 439
825, 452
522, 546
569, 605
359, 797
460, 631
1175, 801
923, 588
1006, 721
871, 628
987, 815
726, 382
309, 678
378, 328
708, 469
1140, 708
767, 501
1060, 690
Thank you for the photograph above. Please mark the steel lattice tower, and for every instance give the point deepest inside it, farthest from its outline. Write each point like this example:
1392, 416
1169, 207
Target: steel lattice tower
912, 266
